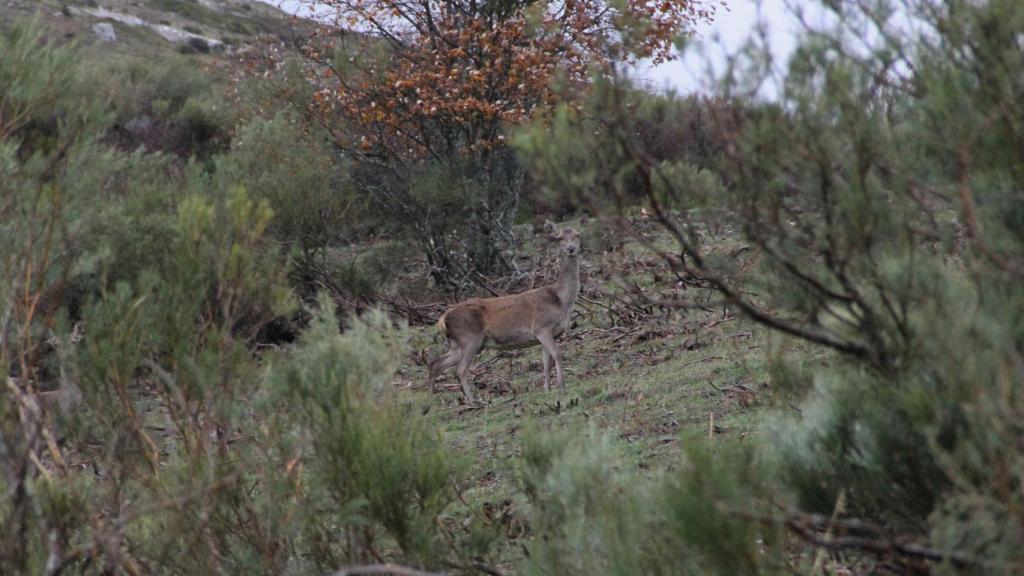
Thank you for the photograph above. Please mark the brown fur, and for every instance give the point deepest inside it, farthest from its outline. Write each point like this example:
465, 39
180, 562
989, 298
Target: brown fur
530, 318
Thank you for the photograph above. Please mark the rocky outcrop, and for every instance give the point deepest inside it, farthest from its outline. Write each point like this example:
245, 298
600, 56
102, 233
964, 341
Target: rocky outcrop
105, 32
169, 33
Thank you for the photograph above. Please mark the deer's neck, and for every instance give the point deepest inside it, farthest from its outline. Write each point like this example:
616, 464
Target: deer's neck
569, 281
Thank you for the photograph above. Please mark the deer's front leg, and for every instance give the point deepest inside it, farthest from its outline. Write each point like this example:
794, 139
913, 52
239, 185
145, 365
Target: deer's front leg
547, 340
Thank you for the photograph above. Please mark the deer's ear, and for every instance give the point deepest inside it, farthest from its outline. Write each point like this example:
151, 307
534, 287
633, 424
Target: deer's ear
551, 230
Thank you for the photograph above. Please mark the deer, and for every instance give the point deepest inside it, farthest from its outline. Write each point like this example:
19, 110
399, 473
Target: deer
514, 321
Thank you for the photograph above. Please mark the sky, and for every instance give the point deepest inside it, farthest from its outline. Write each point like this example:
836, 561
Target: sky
726, 33
732, 25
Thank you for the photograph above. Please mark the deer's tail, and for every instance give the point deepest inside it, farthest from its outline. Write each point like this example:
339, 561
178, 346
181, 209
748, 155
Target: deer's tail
440, 324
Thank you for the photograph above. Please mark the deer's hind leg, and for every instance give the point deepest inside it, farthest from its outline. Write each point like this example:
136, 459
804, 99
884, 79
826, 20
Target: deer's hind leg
547, 369
469, 351
442, 363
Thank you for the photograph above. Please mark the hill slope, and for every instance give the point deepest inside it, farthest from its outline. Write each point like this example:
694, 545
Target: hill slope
153, 27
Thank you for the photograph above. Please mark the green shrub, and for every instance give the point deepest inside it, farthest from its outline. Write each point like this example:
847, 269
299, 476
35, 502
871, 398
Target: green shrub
382, 470
173, 81
178, 445
307, 186
881, 200
173, 106
586, 516
297, 174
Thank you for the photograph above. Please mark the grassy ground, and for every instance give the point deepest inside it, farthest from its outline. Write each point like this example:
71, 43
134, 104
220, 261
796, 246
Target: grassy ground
652, 379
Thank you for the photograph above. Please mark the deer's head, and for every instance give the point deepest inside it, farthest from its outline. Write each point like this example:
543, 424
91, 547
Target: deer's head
568, 240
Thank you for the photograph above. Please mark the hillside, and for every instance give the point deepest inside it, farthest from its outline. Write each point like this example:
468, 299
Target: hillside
794, 329
650, 379
654, 381
153, 27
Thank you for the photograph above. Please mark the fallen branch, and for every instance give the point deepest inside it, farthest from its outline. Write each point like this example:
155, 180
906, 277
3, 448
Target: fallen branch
853, 533
709, 358
393, 569
719, 321
624, 334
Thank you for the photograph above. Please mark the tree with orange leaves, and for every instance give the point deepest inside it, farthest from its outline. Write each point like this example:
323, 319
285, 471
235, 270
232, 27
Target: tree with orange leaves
407, 86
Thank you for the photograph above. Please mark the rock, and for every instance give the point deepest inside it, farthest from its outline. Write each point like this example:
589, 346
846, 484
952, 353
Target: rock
139, 124
197, 44
105, 32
